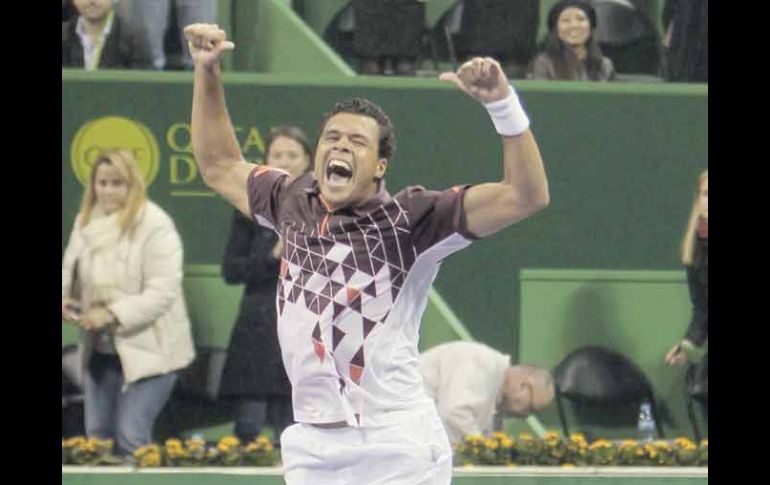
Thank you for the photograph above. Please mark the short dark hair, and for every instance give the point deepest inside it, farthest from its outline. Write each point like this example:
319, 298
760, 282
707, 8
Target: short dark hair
288, 131
362, 106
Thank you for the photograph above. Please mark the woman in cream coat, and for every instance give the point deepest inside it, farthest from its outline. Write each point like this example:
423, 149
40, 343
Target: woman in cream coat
122, 284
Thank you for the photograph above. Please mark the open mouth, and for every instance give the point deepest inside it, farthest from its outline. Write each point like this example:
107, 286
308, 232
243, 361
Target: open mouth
338, 172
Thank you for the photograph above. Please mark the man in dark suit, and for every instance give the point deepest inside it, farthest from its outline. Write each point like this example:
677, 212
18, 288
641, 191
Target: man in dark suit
97, 39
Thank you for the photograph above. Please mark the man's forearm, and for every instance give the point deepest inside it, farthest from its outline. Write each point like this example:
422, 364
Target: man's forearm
213, 138
523, 169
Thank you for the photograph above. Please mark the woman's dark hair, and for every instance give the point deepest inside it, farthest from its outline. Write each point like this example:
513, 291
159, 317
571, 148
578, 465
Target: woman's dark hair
361, 106
565, 63
293, 132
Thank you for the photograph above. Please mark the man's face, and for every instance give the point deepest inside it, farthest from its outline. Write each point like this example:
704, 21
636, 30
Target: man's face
347, 166
93, 9
518, 396
524, 395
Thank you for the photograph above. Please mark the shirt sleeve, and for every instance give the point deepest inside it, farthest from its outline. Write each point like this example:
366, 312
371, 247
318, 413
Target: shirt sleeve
434, 215
266, 186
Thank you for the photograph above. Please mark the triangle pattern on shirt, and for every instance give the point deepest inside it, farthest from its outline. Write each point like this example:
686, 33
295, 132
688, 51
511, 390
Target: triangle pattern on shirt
337, 336
368, 326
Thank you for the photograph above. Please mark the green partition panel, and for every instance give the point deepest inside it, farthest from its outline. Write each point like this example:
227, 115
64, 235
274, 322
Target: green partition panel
318, 14
622, 160
270, 37
638, 313
434, 9
212, 304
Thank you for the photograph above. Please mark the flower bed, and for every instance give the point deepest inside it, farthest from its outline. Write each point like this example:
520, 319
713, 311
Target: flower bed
499, 449
194, 452
525, 449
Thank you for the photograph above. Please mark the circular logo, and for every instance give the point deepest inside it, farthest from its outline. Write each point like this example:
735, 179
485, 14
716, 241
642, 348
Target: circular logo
114, 132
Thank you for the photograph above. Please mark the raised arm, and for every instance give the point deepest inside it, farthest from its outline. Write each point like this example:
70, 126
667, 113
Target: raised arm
215, 147
523, 189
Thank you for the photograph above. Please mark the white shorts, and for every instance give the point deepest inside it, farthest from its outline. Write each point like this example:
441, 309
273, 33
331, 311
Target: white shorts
416, 451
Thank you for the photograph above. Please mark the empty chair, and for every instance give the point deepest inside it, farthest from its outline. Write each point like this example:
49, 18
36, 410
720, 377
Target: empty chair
594, 375
627, 36
503, 29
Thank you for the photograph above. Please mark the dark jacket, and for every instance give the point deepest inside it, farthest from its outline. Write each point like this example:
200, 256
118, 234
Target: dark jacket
698, 282
122, 49
253, 368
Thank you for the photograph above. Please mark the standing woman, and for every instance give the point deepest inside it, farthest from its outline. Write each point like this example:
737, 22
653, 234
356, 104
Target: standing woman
254, 375
571, 51
695, 256
122, 284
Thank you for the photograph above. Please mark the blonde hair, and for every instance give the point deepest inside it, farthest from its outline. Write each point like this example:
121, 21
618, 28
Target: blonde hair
123, 161
688, 243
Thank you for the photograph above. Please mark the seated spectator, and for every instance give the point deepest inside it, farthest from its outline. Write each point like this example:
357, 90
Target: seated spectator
122, 285
97, 39
474, 386
150, 19
572, 52
388, 32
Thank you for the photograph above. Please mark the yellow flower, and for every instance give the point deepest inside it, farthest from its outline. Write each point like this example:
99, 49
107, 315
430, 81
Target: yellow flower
551, 436
499, 435
491, 444
577, 437
662, 445
506, 443
629, 444
599, 444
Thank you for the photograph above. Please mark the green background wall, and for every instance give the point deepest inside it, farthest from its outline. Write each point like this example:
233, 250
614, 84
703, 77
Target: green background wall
621, 162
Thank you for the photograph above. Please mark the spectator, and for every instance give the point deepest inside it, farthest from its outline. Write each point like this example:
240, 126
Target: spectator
572, 52
122, 284
98, 39
686, 40
388, 32
474, 386
254, 374
695, 257
150, 19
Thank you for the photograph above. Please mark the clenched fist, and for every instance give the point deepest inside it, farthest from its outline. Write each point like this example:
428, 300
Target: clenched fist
482, 78
206, 42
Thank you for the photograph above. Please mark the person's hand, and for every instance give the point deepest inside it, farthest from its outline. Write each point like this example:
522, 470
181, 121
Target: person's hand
676, 356
96, 318
278, 249
70, 309
482, 78
206, 42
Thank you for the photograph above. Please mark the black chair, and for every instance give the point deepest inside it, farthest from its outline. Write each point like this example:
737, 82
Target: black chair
503, 29
697, 391
627, 36
594, 375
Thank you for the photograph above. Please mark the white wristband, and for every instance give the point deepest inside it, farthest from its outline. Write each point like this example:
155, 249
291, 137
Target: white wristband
508, 115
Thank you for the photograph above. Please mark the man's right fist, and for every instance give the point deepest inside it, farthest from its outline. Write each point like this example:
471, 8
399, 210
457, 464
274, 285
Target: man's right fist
206, 42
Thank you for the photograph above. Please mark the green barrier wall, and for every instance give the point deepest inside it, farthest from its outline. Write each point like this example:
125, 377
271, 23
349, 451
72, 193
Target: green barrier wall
461, 476
638, 313
621, 160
